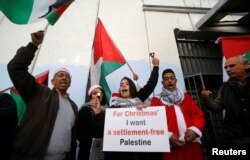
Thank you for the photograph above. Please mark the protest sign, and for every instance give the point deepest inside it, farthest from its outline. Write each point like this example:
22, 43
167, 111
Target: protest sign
132, 130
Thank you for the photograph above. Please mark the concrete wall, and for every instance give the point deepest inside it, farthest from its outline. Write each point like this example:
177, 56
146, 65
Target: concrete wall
136, 33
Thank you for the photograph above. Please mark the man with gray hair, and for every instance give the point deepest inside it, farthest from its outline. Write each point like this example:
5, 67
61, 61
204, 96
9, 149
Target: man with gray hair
47, 130
233, 97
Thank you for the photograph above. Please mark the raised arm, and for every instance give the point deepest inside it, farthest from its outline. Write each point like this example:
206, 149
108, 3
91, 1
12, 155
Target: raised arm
18, 67
146, 90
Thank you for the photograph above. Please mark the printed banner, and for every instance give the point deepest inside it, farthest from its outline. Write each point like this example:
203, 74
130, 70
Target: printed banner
132, 130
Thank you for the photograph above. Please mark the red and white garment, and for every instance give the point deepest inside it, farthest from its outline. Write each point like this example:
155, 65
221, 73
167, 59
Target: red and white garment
186, 115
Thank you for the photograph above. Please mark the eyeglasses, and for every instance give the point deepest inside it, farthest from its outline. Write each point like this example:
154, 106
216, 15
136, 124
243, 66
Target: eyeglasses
63, 74
169, 78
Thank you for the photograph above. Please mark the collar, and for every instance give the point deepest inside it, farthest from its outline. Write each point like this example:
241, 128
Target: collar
66, 95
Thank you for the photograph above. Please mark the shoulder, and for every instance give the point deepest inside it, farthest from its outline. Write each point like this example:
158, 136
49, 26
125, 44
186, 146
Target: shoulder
85, 107
6, 100
158, 96
187, 97
5, 97
156, 99
73, 104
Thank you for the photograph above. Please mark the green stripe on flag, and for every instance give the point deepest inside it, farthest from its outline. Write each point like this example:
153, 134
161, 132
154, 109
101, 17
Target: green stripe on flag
109, 67
17, 11
247, 55
21, 106
52, 17
106, 69
57, 12
105, 87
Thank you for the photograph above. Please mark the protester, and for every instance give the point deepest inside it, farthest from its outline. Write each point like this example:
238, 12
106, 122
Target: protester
186, 121
129, 96
47, 129
90, 123
8, 125
234, 98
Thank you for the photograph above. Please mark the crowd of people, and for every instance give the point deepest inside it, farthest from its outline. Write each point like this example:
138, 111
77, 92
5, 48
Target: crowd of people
52, 124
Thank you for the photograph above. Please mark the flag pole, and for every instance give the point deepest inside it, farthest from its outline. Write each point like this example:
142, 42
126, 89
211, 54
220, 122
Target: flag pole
34, 61
38, 51
6, 89
146, 29
1, 20
130, 68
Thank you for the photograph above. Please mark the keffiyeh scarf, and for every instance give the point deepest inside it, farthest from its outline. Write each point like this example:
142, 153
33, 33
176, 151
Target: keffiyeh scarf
173, 97
126, 103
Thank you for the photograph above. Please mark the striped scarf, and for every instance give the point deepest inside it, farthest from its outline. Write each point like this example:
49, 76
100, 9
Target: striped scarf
173, 97
126, 103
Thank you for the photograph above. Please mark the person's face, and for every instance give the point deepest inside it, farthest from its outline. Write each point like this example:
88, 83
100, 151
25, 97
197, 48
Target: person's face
125, 89
61, 81
234, 68
169, 81
97, 94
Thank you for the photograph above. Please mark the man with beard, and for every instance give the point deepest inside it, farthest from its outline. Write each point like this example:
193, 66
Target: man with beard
47, 130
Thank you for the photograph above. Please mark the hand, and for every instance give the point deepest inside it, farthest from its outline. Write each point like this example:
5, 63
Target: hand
205, 93
175, 142
190, 135
141, 106
135, 77
155, 61
96, 106
37, 38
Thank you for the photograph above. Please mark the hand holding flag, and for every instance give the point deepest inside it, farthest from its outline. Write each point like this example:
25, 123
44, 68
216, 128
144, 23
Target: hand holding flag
37, 38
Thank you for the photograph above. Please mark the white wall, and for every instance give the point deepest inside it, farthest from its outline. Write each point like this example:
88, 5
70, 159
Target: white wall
136, 33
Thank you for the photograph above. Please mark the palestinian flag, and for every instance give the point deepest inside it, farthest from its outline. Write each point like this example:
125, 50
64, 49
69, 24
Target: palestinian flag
29, 11
21, 106
106, 58
235, 46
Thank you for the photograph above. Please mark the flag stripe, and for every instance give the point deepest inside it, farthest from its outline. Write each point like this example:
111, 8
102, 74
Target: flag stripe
17, 11
56, 14
235, 45
21, 106
104, 47
29, 11
109, 67
106, 58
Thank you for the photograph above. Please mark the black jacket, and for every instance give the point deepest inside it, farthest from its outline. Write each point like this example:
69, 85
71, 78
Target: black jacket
88, 126
8, 125
235, 99
42, 107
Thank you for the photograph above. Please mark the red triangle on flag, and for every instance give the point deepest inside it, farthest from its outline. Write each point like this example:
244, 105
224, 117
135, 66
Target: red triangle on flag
41, 78
104, 47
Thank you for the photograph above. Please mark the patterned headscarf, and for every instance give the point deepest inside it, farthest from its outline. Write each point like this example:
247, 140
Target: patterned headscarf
173, 97
126, 103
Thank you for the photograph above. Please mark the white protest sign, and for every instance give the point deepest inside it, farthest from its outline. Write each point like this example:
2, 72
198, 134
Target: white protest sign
132, 130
